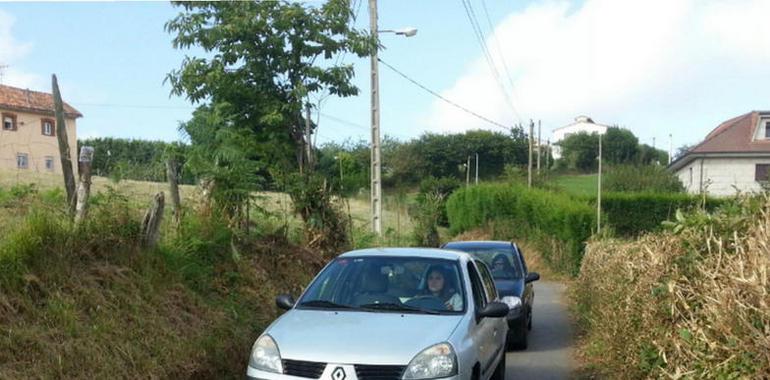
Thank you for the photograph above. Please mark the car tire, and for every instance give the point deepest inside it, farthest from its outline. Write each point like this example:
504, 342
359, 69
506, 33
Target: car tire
499, 373
529, 323
517, 342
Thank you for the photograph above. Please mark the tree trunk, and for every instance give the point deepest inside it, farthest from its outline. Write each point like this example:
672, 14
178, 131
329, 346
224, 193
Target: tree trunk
172, 170
152, 220
64, 147
84, 186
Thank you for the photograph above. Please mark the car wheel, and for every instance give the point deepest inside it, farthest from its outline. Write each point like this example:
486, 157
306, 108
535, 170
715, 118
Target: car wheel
517, 340
499, 373
529, 324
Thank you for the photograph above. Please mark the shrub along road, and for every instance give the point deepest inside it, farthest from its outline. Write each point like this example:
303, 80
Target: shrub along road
549, 355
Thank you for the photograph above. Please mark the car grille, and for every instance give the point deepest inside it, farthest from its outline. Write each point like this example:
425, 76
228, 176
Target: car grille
379, 372
310, 370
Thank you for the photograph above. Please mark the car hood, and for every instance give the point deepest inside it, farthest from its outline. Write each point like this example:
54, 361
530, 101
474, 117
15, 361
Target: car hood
358, 337
510, 287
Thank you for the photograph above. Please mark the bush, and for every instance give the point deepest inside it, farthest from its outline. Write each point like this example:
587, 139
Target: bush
691, 301
440, 189
557, 224
646, 178
631, 214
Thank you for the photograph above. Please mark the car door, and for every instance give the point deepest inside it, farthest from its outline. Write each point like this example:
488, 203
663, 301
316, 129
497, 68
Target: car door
500, 328
528, 295
486, 328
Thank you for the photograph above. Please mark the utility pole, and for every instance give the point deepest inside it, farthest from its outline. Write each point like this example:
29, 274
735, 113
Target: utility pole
376, 184
547, 154
529, 159
477, 168
670, 148
308, 139
599, 194
468, 171
538, 147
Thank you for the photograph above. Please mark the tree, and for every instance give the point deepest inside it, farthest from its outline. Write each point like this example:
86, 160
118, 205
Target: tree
619, 145
580, 150
264, 59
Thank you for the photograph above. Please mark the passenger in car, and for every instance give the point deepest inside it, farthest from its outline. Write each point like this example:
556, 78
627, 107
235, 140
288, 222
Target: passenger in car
501, 267
438, 287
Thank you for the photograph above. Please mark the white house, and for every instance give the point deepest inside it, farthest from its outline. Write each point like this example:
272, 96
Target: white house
735, 156
581, 124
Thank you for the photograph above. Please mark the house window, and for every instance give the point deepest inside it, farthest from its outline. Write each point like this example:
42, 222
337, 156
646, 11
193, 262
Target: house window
22, 161
761, 173
49, 163
47, 127
9, 122
767, 129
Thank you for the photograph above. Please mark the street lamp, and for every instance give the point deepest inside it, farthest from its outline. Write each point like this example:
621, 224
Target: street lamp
376, 162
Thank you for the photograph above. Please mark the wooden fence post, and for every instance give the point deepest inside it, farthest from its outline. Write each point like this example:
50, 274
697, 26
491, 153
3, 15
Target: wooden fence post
64, 147
84, 185
172, 170
151, 221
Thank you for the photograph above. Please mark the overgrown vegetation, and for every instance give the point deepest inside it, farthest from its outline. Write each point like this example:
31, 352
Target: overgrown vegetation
85, 302
690, 302
556, 224
632, 214
641, 178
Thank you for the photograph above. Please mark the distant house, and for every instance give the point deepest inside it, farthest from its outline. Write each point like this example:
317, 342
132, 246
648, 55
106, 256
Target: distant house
28, 132
735, 156
581, 124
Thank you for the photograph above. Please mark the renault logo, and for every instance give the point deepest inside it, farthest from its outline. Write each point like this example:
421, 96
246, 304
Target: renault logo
338, 374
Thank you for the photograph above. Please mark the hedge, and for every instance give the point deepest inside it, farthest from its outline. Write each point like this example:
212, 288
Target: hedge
558, 224
632, 214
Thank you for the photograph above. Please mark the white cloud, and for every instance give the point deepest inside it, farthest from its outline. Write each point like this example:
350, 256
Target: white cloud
609, 59
12, 52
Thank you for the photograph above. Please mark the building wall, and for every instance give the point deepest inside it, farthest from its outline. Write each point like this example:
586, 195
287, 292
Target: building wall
28, 138
721, 176
562, 133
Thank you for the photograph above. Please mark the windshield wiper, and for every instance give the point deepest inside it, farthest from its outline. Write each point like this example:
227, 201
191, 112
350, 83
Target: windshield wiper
325, 304
396, 307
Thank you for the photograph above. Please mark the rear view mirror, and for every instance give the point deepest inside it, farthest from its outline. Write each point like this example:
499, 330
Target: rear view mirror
532, 276
284, 301
494, 310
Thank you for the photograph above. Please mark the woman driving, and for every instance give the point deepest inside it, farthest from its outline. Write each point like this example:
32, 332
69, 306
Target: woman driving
437, 287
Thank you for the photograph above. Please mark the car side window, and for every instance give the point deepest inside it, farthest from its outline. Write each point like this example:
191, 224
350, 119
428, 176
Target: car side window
479, 298
489, 283
523, 262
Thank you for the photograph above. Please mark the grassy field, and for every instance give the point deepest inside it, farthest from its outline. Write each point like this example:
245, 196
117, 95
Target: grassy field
580, 185
397, 225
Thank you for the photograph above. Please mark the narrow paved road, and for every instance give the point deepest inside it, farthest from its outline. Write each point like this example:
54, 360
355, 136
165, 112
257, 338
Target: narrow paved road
550, 341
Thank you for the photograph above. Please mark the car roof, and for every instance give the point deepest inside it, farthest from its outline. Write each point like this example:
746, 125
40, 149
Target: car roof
478, 244
409, 252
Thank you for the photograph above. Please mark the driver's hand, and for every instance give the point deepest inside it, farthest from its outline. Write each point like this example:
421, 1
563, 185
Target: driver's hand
448, 305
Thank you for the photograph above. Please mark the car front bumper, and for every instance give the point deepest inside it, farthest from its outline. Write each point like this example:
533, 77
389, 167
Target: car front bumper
255, 374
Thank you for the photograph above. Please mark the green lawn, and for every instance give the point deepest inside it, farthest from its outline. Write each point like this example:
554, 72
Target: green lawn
580, 185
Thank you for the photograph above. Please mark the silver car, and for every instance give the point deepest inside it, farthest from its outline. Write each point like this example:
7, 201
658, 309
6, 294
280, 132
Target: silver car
395, 313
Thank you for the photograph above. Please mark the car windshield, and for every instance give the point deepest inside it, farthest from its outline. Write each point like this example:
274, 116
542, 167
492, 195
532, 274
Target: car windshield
388, 284
500, 260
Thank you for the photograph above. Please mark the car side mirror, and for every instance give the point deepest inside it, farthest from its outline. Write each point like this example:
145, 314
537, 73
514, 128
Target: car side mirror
284, 301
494, 310
532, 276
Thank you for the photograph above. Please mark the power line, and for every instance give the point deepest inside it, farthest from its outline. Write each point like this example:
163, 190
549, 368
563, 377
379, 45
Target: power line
434, 93
487, 55
500, 52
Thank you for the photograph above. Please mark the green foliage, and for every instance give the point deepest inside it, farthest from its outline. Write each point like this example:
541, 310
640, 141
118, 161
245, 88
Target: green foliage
558, 224
346, 164
438, 190
326, 226
619, 146
632, 214
427, 214
140, 160
641, 178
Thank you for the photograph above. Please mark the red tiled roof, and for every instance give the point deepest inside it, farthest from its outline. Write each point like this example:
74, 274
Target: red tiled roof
735, 136
19, 99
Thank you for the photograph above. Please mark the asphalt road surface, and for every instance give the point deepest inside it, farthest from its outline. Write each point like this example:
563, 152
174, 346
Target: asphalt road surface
549, 355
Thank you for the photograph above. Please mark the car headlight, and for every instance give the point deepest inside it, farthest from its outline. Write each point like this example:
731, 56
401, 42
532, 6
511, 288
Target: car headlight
513, 302
265, 355
433, 362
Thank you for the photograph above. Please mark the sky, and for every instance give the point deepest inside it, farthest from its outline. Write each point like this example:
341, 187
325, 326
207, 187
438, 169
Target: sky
658, 68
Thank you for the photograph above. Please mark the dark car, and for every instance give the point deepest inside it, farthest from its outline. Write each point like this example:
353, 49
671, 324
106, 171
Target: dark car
512, 280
